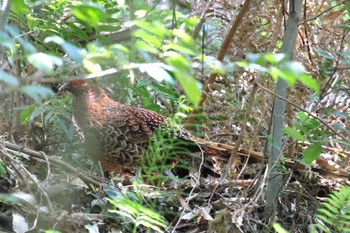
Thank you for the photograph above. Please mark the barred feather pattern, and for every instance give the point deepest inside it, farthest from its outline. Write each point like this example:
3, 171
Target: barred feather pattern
113, 133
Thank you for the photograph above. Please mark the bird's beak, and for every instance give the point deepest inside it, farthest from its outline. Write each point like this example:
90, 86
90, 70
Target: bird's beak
62, 88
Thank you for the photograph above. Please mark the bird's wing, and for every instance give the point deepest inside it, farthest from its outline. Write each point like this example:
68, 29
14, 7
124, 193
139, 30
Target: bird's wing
151, 120
122, 119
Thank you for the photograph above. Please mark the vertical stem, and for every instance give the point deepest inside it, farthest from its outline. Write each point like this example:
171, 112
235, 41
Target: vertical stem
4, 13
275, 176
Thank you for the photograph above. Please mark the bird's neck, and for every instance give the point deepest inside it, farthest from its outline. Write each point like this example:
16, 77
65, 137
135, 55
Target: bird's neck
86, 104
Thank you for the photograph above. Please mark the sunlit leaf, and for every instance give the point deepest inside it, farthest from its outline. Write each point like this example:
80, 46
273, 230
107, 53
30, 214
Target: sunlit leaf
274, 58
19, 7
309, 82
254, 58
27, 46
185, 38
257, 67
44, 62
148, 37
155, 28
92, 67
158, 71
141, 45
284, 74
295, 67
19, 223
73, 51
91, 14
181, 48
138, 214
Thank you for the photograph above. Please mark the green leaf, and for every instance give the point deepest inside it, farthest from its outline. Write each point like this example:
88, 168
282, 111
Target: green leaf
344, 27
187, 44
143, 46
181, 48
19, 7
181, 72
91, 14
296, 135
37, 111
138, 213
148, 37
154, 28
286, 74
295, 68
324, 54
37, 91
44, 62
310, 82
63, 126
8, 79
302, 116
49, 117
26, 113
274, 58
312, 153
78, 31
312, 124
158, 71
73, 52
278, 228
7, 42
2, 169
28, 47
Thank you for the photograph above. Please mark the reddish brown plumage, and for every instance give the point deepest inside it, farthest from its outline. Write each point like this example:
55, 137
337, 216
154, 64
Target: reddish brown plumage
117, 135
113, 133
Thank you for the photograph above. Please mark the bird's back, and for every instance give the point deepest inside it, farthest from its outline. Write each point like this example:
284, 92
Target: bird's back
113, 133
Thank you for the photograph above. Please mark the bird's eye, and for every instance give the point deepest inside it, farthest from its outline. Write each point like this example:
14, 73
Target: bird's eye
75, 84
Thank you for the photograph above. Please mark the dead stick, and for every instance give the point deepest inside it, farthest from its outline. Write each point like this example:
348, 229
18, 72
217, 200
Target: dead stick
39, 155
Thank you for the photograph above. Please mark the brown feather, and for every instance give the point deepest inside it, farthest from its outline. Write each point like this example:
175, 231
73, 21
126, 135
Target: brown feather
113, 133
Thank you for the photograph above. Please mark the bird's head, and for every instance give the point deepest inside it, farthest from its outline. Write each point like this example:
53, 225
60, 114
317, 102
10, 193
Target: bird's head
76, 87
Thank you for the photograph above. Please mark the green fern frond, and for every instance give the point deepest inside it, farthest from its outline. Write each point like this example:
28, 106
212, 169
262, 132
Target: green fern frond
138, 215
334, 214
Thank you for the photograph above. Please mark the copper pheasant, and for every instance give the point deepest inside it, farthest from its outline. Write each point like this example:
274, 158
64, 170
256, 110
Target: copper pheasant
116, 134
113, 133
